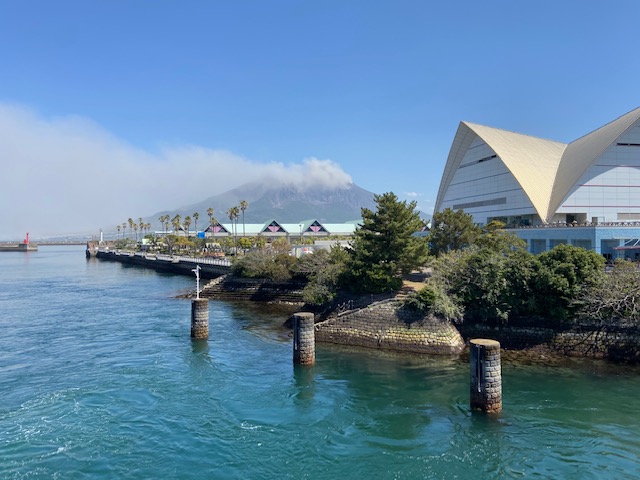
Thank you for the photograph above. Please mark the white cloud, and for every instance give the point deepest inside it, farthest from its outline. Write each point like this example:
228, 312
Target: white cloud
412, 194
67, 174
309, 173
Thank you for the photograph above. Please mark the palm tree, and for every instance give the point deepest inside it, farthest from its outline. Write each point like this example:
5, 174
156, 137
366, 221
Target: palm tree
135, 229
210, 213
243, 206
118, 227
141, 225
124, 229
130, 222
187, 224
164, 220
176, 223
232, 213
195, 216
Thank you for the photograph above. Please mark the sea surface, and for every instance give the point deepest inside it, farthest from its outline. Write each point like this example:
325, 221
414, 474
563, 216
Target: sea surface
99, 379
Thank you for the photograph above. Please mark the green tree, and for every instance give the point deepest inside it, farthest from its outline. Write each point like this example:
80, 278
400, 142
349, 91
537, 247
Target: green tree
522, 271
187, 224
245, 243
567, 272
384, 246
451, 230
260, 242
495, 238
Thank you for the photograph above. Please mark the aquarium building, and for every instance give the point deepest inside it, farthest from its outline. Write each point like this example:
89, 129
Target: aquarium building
584, 193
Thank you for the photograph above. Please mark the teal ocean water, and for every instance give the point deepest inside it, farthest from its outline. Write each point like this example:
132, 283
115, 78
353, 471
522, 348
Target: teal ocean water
100, 380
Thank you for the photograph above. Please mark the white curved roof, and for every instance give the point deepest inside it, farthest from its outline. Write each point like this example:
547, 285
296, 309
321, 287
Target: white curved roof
546, 170
584, 152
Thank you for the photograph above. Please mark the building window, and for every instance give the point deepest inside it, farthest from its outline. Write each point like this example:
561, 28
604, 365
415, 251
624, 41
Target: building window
479, 161
481, 203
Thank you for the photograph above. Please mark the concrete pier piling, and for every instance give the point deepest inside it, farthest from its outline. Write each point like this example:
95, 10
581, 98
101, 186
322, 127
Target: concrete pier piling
200, 318
486, 376
304, 341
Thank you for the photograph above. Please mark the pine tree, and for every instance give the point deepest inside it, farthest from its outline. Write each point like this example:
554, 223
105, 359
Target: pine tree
451, 230
384, 246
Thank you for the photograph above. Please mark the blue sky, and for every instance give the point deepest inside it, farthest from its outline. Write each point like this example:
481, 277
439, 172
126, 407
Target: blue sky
117, 109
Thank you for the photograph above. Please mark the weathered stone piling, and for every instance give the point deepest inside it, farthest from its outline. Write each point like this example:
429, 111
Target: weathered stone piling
486, 375
304, 342
200, 318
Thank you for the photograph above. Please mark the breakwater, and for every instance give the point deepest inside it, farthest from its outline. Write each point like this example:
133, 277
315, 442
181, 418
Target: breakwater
178, 264
18, 247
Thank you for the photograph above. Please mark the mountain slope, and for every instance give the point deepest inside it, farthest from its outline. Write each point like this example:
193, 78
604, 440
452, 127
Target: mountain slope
286, 204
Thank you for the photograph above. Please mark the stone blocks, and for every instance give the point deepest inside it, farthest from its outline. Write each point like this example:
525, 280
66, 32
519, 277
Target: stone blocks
199, 318
486, 375
304, 342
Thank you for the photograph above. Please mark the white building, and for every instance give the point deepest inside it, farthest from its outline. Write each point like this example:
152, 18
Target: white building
524, 180
585, 193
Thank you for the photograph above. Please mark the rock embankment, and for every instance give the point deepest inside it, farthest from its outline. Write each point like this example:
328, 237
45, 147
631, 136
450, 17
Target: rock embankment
619, 343
387, 325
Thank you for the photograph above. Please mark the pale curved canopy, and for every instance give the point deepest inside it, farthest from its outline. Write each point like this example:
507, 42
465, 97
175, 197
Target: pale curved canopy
546, 170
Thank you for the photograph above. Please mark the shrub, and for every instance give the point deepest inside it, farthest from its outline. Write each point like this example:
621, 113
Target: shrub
262, 264
433, 300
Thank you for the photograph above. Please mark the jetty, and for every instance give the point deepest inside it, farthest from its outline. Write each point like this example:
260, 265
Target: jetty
23, 246
178, 264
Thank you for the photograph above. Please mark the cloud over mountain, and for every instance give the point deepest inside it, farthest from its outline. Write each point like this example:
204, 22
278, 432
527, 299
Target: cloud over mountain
68, 174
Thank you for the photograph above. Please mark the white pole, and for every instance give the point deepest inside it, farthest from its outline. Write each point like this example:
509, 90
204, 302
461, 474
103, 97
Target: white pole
197, 272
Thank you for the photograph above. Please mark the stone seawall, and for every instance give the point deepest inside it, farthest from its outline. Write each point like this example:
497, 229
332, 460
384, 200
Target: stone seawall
615, 343
386, 325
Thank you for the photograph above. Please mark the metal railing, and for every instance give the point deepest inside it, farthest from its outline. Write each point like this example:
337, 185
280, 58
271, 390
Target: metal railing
575, 224
171, 258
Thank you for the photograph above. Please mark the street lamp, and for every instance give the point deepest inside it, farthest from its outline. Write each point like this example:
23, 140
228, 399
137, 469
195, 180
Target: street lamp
197, 272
